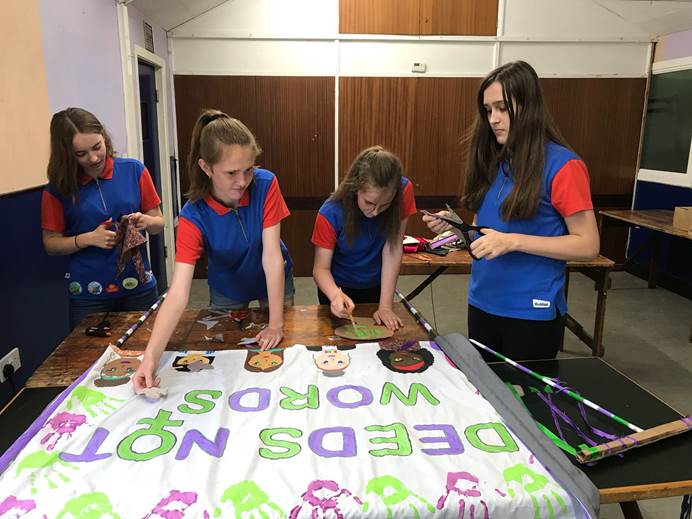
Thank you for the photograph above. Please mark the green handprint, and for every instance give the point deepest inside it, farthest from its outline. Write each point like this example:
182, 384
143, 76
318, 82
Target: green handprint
393, 493
247, 498
92, 401
40, 461
538, 488
94, 505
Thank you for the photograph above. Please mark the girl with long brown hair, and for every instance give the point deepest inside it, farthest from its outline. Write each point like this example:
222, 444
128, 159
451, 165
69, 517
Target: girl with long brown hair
531, 191
89, 193
358, 236
233, 214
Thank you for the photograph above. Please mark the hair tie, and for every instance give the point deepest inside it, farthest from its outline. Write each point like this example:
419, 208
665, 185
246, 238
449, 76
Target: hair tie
215, 117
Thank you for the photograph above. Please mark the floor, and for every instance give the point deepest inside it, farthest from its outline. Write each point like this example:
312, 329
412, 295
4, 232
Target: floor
646, 338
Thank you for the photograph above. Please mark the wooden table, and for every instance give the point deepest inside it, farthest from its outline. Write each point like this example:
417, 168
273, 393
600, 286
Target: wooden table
310, 325
651, 472
659, 220
459, 262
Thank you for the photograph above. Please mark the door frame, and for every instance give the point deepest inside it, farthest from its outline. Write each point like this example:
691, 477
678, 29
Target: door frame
159, 65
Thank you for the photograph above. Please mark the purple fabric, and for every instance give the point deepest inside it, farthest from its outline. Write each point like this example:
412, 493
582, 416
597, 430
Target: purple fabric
21, 442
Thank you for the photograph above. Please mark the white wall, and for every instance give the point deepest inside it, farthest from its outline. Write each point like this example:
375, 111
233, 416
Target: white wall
82, 57
561, 38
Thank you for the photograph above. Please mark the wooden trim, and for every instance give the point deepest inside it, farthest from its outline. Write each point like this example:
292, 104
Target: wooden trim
639, 492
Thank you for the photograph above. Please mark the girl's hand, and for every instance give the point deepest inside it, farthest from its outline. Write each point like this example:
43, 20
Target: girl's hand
269, 337
493, 244
145, 376
141, 221
342, 306
101, 237
387, 317
436, 225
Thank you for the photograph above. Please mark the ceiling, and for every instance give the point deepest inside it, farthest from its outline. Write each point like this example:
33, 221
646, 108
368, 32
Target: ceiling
653, 17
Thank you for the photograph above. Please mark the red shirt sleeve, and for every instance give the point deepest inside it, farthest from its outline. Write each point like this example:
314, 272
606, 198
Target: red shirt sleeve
149, 198
52, 213
189, 244
275, 208
323, 234
408, 201
570, 191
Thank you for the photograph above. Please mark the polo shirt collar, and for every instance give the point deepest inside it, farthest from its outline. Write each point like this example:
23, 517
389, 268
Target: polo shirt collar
221, 209
106, 174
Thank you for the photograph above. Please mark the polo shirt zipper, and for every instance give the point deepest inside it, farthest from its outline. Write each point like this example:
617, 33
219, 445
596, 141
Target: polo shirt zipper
98, 186
240, 222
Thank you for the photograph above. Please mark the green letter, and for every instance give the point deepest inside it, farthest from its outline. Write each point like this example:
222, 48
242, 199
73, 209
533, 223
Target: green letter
311, 399
156, 428
291, 448
193, 397
400, 439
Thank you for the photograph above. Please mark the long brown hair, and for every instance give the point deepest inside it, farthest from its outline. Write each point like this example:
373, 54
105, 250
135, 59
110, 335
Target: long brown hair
373, 167
531, 126
63, 168
212, 131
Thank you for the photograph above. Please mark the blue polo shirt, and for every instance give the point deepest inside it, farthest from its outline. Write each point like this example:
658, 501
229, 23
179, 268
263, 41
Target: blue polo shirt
521, 285
232, 238
358, 265
124, 187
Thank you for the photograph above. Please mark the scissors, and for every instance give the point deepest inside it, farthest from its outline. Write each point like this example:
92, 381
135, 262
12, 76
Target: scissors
459, 227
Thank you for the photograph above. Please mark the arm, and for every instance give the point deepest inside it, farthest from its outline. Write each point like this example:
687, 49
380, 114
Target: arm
57, 244
273, 265
151, 221
341, 305
166, 321
391, 263
581, 243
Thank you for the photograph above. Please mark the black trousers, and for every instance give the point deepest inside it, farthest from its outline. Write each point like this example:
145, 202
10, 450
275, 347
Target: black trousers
518, 339
358, 295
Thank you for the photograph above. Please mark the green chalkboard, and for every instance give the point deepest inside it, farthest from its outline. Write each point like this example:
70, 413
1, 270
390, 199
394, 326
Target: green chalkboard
668, 126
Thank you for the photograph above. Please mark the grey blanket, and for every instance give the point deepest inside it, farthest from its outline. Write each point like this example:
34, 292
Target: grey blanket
584, 495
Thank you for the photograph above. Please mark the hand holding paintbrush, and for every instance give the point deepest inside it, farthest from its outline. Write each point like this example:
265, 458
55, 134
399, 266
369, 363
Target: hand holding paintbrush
343, 306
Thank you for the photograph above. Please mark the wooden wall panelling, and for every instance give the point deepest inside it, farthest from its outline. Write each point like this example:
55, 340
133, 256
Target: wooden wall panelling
458, 17
420, 119
291, 117
296, 231
296, 117
231, 94
601, 119
379, 16
443, 115
375, 110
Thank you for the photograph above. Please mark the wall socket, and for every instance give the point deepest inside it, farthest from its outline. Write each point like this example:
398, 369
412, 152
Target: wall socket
11, 358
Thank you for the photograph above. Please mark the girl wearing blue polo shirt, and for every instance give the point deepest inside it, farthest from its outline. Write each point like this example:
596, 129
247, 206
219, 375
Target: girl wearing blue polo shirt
358, 236
88, 192
233, 214
532, 192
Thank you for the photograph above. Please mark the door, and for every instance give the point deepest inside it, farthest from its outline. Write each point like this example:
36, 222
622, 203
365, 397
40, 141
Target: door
150, 146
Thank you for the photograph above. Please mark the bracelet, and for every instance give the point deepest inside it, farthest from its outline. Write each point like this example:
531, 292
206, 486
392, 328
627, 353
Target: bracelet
75, 242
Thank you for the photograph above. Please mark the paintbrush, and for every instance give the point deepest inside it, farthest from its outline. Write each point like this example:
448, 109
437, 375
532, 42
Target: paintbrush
350, 316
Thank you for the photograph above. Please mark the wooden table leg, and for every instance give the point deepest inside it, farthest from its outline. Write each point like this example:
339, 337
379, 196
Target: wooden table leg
597, 348
630, 509
562, 339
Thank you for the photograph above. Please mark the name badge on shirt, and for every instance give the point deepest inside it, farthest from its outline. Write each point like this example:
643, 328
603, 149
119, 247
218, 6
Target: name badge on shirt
539, 303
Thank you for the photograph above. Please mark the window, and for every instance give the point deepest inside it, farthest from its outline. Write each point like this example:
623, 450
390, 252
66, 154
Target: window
667, 141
